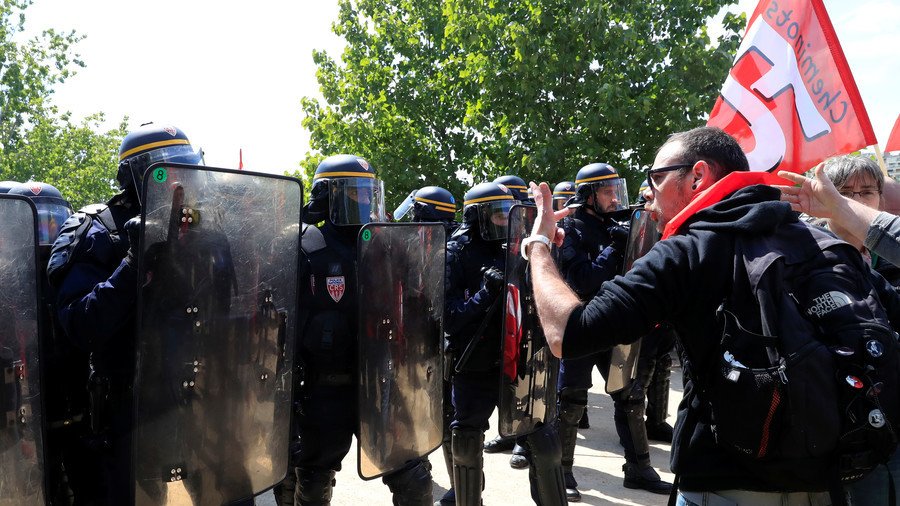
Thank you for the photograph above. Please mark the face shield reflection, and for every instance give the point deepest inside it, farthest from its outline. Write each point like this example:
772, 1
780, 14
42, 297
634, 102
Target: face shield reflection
50, 218
493, 219
609, 196
356, 201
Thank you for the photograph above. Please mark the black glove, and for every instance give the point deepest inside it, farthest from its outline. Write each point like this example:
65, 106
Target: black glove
133, 229
493, 280
619, 236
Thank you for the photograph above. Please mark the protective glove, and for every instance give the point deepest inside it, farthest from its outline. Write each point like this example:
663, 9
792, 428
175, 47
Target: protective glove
493, 280
619, 236
133, 229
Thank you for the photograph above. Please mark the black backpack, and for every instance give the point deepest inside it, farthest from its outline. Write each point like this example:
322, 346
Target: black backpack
805, 388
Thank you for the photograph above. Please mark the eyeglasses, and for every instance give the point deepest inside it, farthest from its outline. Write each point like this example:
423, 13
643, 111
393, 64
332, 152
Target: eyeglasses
652, 172
865, 194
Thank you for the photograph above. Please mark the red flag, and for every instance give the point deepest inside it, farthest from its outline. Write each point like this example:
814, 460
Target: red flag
240, 158
790, 99
893, 143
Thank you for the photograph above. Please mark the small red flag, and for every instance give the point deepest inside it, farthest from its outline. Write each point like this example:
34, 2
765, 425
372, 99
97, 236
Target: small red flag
241, 159
790, 99
893, 142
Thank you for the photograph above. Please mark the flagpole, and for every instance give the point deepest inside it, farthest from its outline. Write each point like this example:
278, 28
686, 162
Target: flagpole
880, 159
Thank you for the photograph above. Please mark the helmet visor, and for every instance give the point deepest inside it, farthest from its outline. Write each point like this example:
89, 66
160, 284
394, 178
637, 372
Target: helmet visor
180, 153
356, 201
493, 219
50, 218
609, 196
404, 207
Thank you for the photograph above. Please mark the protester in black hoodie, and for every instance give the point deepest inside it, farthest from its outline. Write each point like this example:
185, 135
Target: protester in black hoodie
682, 281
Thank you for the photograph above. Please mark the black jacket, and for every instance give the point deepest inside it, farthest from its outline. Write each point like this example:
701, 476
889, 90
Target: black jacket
681, 281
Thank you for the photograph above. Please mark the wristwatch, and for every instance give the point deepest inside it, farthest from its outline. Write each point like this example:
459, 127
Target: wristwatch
534, 238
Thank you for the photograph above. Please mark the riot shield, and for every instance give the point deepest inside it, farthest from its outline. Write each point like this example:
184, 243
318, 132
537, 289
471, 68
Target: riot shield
400, 277
21, 417
528, 381
217, 315
642, 235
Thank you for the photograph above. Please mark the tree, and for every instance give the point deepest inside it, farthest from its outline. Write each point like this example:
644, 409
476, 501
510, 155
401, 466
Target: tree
37, 142
429, 91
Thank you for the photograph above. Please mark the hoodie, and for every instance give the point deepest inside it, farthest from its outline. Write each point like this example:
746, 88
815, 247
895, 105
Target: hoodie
681, 281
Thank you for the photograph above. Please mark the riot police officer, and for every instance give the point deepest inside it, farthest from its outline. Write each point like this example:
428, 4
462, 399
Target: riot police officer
474, 295
516, 186
592, 253
345, 195
93, 275
562, 192
5, 186
65, 404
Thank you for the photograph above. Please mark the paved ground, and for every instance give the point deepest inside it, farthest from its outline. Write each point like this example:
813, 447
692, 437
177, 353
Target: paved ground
598, 466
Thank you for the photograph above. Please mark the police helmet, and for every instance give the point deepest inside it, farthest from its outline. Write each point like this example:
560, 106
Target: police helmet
562, 192
52, 209
149, 144
346, 191
599, 186
6, 185
429, 203
641, 200
516, 185
488, 205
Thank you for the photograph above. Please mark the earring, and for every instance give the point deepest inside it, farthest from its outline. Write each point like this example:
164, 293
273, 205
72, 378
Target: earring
694, 186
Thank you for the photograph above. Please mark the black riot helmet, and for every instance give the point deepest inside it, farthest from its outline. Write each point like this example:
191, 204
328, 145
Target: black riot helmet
346, 191
428, 204
52, 209
487, 206
147, 145
517, 186
6, 185
562, 192
602, 182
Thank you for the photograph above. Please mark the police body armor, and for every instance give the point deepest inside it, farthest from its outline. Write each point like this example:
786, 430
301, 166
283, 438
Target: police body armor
529, 370
217, 316
401, 280
642, 235
21, 417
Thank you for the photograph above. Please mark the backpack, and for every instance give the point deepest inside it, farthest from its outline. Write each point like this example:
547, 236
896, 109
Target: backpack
805, 388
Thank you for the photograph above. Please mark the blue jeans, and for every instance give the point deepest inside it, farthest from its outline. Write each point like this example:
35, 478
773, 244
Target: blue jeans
873, 489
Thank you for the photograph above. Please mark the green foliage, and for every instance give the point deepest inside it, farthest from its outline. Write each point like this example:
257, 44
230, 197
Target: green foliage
538, 88
37, 142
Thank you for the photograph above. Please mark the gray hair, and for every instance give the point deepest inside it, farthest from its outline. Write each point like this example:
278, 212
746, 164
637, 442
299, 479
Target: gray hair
841, 168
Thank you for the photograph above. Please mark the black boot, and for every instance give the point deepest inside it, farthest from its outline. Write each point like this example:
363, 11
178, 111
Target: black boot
499, 444
662, 432
519, 459
638, 476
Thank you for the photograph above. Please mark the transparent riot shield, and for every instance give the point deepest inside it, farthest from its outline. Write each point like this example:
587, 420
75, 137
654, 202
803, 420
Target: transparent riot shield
642, 235
528, 380
21, 417
400, 273
217, 316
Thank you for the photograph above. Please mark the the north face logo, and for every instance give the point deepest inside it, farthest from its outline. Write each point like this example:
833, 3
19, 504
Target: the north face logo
827, 303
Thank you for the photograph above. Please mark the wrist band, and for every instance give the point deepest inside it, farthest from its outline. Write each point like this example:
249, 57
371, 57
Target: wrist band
534, 238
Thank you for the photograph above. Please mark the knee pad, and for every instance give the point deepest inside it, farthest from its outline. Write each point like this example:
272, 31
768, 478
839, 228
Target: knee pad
571, 405
314, 487
467, 446
411, 485
546, 451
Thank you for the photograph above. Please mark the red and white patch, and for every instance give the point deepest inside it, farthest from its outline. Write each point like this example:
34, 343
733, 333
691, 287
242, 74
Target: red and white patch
36, 189
503, 187
364, 164
170, 130
336, 287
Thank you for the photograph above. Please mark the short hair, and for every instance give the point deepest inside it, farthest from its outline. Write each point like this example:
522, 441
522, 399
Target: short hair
841, 168
712, 145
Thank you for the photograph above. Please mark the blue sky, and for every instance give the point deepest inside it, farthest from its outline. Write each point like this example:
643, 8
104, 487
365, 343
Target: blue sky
231, 74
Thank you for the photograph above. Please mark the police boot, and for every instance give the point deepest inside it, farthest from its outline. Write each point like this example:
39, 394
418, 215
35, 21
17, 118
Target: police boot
313, 487
658, 401
499, 444
284, 491
548, 486
643, 476
519, 458
569, 414
468, 463
411, 486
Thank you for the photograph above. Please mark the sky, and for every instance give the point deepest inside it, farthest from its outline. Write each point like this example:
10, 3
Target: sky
231, 74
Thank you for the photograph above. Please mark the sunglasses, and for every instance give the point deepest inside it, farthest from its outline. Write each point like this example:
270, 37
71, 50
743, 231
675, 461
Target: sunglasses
652, 172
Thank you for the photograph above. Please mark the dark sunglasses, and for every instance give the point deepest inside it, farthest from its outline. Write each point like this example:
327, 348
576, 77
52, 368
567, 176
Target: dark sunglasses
651, 172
